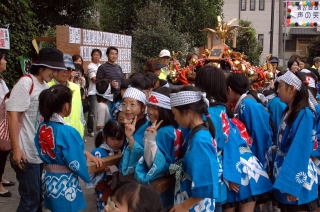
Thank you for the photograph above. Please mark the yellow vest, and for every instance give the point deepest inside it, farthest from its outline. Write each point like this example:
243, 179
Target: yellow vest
74, 119
163, 74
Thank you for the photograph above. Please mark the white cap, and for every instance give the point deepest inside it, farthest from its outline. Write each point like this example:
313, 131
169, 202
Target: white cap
164, 53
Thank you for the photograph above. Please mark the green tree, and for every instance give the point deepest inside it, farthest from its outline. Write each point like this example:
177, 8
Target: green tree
154, 32
23, 27
247, 42
314, 51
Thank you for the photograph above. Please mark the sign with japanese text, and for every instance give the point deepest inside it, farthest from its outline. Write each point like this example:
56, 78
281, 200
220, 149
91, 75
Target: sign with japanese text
303, 14
72, 41
4, 39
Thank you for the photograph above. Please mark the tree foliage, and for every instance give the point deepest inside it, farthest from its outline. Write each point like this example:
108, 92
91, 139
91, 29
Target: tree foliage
247, 42
154, 31
23, 27
314, 51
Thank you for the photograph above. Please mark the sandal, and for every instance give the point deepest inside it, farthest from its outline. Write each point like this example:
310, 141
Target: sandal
8, 183
6, 194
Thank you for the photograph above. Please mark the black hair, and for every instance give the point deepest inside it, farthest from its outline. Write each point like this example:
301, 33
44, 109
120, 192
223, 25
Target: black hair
199, 107
101, 87
139, 81
300, 100
111, 48
79, 67
124, 83
290, 63
138, 197
112, 129
212, 80
165, 115
162, 82
53, 99
153, 79
34, 70
96, 50
76, 57
238, 82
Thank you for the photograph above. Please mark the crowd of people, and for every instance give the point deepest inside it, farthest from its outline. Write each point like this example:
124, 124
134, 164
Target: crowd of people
228, 147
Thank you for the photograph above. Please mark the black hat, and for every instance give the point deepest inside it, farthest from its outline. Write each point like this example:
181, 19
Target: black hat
159, 66
51, 58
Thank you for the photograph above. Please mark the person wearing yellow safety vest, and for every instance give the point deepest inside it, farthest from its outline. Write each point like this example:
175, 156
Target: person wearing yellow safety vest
75, 119
164, 58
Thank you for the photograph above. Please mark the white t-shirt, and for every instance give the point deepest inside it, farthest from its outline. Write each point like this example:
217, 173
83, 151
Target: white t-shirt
21, 101
3, 89
102, 114
92, 72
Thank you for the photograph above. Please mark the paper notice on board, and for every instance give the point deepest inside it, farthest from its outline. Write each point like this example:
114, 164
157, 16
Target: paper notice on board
4, 39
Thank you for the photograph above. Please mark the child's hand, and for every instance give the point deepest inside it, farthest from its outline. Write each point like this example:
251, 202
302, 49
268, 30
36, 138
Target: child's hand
291, 198
179, 208
154, 127
91, 158
234, 187
130, 128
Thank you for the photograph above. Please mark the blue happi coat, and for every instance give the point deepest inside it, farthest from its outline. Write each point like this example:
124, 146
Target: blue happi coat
276, 108
102, 181
239, 164
294, 172
130, 157
168, 141
61, 144
200, 168
316, 152
257, 120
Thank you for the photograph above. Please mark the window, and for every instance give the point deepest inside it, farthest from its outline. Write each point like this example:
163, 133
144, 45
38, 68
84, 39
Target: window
243, 5
261, 4
252, 4
260, 40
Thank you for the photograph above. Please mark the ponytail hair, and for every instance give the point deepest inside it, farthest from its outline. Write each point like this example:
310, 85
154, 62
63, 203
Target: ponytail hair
53, 99
199, 107
300, 100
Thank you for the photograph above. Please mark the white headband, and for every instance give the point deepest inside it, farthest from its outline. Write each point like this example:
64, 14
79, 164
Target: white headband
187, 97
309, 79
107, 95
136, 94
159, 100
290, 79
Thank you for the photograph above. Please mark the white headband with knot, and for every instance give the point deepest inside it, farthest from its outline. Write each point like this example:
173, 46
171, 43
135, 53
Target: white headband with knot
159, 100
291, 79
136, 94
107, 94
311, 81
187, 97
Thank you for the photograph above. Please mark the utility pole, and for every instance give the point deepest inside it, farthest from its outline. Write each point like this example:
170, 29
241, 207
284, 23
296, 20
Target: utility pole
281, 32
272, 26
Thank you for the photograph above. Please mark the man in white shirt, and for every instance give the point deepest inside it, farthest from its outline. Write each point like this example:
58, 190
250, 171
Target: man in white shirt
96, 55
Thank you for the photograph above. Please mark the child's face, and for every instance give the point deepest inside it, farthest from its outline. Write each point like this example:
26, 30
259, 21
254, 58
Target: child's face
153, 113
123, 118
132, 107
183, 119
63, 76
115, 206
114, 143
285, 92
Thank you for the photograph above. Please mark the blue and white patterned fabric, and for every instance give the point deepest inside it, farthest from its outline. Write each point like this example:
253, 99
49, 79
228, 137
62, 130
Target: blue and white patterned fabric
294, 171
61, 144
130, 157
276, 108
257, 121
200, 172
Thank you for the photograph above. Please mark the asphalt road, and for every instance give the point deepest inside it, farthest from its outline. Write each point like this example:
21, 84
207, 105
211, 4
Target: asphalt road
11, 204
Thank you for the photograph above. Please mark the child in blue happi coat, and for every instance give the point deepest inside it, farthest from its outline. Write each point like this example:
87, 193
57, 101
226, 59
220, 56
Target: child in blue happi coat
133, 105
108, 142
197, 177
246, 178
61, 148
296, 181
162, 144
253, 114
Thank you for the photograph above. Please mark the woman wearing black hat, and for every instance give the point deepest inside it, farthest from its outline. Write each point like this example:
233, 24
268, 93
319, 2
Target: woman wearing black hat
24, 119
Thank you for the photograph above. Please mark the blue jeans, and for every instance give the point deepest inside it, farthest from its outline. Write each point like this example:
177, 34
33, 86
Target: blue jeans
29, 187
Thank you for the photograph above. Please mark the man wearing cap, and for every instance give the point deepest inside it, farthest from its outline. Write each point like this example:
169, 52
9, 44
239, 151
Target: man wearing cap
24, 119
316, 62
75, 119
164, 58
